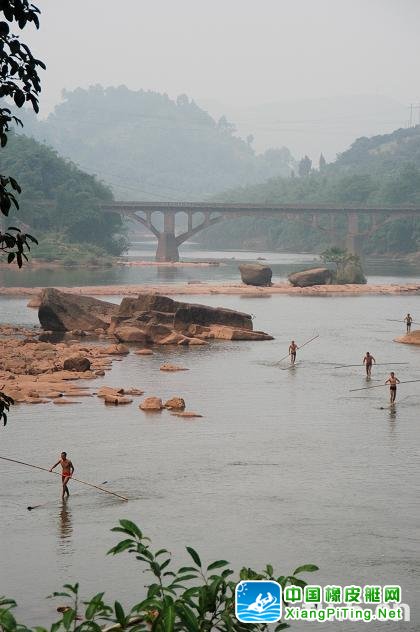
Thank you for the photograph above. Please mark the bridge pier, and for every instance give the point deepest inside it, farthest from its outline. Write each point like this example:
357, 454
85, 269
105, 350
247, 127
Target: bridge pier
167, 249
354, 239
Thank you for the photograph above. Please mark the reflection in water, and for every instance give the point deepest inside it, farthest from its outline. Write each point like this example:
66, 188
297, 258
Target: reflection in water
65, 530
169, 273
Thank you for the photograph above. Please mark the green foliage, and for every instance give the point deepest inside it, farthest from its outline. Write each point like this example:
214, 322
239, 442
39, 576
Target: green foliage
147, 146
382, 171
191, 599
305, 167
20, 83
348, 266
60, 198
336, 255
5, 403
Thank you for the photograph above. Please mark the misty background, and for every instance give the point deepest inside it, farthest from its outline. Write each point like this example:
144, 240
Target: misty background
277, 101
309, 75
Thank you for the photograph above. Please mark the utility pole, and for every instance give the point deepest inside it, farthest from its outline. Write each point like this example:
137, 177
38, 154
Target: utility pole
414, 115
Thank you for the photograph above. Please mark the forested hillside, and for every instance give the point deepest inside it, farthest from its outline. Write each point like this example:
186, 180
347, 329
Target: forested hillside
147, 146
381, 170
59, 202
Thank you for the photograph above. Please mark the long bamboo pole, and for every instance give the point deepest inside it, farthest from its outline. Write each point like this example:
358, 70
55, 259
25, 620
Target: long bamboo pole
347, 366
367, 388
304, 344
43, 469
393, 320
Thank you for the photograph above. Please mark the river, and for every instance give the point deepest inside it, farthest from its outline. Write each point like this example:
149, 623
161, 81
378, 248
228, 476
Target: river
285, 466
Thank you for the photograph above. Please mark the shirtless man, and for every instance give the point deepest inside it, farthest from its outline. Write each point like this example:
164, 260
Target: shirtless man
368, 360
408, 319
392, 381
292, 351
67, 470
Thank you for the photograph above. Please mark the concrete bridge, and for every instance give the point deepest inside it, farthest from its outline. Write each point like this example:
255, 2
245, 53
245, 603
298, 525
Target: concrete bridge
207, 214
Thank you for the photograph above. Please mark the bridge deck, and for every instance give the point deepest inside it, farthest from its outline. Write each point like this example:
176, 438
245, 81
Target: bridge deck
229, 207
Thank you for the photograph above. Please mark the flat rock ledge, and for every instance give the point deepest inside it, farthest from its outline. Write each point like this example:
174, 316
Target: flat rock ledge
201, 288
413, 338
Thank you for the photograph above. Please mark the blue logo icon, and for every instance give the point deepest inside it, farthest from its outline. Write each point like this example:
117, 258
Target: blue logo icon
258, 601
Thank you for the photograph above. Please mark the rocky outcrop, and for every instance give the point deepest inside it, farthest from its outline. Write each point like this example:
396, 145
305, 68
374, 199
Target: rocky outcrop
314, 276
61, 311
40, 372
413, 338
256, 274
148, 319
160, 320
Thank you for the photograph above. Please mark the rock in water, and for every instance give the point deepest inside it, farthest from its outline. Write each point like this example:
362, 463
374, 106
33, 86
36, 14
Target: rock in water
76, 363
315, 276
256, 274
175, 403
62, 311
151, 403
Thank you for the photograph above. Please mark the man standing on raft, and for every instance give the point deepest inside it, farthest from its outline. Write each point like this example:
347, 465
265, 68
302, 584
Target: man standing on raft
392, 381
67, 470
368, 360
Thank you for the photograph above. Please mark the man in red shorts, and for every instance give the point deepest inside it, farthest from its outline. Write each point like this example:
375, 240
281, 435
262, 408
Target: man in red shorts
67, 470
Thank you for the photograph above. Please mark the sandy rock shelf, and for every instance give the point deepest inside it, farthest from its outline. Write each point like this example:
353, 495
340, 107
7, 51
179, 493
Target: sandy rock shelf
221, 288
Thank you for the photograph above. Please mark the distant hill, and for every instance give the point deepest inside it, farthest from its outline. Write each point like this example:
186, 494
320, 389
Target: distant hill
59, 202
383, 153
379, 170
311, 126
147, 146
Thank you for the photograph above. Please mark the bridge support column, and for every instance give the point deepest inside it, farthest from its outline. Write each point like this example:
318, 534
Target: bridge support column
167, 249
354, 239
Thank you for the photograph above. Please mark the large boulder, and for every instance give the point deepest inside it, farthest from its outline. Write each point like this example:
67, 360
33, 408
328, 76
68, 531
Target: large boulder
255, 274
315, 276
205, 315
76, 363
62, 311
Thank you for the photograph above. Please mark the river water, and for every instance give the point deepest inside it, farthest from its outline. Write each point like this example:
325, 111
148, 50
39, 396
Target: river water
285, 466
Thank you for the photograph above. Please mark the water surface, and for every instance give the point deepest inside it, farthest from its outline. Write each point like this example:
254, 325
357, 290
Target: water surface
285, 467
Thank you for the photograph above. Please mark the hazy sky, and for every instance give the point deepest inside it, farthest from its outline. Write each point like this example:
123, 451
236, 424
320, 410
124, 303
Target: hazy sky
239, 52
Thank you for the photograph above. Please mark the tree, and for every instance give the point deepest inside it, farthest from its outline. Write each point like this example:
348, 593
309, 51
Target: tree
348, 266
226, 126
322, 162
19, 82
194, 598
305, 167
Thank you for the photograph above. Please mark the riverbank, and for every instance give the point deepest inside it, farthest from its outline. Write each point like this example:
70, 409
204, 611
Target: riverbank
53, 265
201, 288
